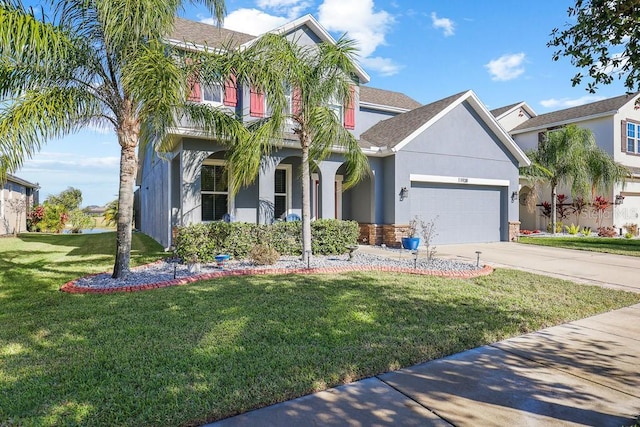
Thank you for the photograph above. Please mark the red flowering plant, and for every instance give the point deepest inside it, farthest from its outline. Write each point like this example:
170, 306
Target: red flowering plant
34, 217
546, 209
600, 205
562, 206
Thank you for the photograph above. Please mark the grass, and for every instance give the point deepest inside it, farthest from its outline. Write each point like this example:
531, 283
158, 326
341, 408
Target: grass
191, 354
610, 245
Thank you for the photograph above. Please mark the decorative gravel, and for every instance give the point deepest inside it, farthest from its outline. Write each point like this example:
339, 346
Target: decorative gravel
167, 271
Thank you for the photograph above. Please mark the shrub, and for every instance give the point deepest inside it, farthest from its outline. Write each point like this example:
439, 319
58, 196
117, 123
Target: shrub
202, 242
263, 255
628, 235
607, 232
558, 227
572, 229
80, 220
586, 231
330, 236
631, 229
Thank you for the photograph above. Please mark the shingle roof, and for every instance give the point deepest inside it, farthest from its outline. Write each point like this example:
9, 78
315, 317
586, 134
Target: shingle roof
610, 105
207, 35
392, 131
497, 112
387, 97
21, 181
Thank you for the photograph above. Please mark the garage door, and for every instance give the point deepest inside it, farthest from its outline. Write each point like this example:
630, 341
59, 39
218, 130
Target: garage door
463, 213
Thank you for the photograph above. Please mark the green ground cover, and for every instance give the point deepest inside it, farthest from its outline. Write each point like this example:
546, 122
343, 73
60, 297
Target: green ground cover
191, 354
610, 245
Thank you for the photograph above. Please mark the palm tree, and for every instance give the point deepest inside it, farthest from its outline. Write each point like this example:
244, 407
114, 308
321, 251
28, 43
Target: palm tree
317, 77
105, 63
570, 156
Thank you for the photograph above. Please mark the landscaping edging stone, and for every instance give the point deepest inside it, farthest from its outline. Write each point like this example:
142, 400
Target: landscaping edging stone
70, 287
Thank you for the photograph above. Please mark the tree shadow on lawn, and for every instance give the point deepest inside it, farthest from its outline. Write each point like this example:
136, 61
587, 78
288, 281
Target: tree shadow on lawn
95, 244
216, 348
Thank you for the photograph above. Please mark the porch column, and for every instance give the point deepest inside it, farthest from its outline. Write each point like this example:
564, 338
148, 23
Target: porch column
328, 171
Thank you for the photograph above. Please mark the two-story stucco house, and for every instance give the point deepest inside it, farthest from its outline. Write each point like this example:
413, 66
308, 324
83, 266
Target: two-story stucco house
615, 123
448, 161
17, 197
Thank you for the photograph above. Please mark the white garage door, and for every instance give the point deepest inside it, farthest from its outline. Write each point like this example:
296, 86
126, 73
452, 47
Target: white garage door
462, 213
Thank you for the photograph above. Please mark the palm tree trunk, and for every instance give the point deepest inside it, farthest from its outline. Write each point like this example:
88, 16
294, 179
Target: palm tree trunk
128, 139
306, 204
554, 203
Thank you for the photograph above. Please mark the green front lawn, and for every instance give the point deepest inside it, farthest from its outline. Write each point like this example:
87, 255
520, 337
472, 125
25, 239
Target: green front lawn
190, 354
611, 245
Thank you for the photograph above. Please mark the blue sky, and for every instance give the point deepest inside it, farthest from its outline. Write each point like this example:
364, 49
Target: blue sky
427, 49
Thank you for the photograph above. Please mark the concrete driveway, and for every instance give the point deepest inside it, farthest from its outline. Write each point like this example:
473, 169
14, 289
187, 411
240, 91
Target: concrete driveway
615, 271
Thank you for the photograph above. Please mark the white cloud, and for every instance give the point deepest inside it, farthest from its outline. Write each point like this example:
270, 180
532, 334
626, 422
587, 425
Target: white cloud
250, 21
568, 102
70, 161
291, 8
507, 67
367, 27
445, 24
385, 66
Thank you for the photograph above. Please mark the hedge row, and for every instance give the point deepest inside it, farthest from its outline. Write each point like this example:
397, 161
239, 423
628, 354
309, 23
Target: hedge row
202, 242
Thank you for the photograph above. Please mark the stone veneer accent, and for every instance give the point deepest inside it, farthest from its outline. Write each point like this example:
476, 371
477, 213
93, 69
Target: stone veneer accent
389, 234
514, 231
71, 287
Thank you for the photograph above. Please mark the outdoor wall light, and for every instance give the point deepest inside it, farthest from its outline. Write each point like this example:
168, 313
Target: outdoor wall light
514, 196
404, 193
619, 199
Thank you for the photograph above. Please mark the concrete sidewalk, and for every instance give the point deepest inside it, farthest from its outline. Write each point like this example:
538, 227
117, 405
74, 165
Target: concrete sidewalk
582, 373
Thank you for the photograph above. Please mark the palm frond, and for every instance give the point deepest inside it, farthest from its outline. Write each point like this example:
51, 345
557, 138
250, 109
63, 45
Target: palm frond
42, 115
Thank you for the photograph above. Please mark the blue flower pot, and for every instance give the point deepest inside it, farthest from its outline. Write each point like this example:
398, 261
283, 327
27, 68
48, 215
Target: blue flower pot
410, 243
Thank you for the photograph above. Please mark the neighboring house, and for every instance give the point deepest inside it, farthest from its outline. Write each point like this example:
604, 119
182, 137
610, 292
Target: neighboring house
449, 161
17, 197
615, 123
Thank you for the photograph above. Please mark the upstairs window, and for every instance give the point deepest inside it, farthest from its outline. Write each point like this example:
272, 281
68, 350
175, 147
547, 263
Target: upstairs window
632, 137
212, 93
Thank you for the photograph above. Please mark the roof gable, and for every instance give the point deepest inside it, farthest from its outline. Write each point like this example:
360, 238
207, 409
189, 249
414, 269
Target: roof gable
313, 24
396, 132
501, 112
606, 107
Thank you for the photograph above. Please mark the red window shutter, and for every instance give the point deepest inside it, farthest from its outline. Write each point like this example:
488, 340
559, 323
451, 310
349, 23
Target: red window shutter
256, 104
296, 101
350, 111
231, 92
194, 89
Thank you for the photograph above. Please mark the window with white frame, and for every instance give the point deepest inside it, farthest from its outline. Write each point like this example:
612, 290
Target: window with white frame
213, 93
282, 191
632, 137
289, 97
337, 109
214, 190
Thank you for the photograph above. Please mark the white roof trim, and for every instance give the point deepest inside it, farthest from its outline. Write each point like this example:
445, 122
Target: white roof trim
320, 31
488, 119
383, 107
567, 122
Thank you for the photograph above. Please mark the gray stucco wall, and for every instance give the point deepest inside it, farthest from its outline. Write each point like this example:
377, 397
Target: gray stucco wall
367, 117
458, 145
154, 198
